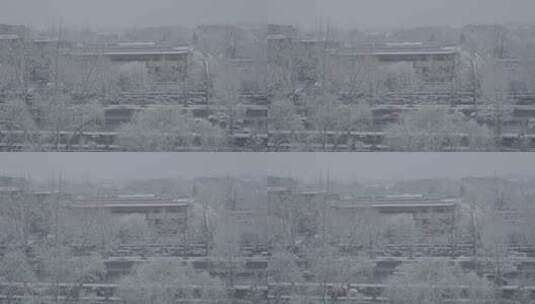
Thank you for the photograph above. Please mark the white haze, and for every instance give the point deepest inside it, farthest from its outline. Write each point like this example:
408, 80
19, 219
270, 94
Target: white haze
363, 13
307, 166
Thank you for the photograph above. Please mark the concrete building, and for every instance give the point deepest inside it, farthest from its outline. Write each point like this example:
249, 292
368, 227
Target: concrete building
13, 33
169, 217
163, 64
431, 63
428, 215
278, 49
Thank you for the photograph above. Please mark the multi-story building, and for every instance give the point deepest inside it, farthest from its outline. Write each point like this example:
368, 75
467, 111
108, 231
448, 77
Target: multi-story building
431, 63
168, 217
436, 215
163, 64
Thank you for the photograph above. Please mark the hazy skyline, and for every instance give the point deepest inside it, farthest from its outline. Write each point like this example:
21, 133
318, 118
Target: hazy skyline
361, 13
307, 166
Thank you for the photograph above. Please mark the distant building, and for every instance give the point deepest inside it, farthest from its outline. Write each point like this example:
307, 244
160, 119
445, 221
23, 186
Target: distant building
16, 31
9, 39
431, 63
169, 217
228, 41
164, 64
305, 206
12, 35
276, 182
278, 195
278, 48
490, 39
433, 35
428, 214
281, 29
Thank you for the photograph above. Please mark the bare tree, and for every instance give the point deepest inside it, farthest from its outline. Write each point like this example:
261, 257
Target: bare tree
66, 121
527, 69
282, 210
226, 83
401, 77
16, 63
204, 216
58, 265
434, 129
90, 231
85, 270
133, 229
355, 117
285, 123
335, 272
169, 281
16, 117
15, 268
360, 81
227, 247
132, 76
403, 229
494, 240
163, 129
9, 229
436, 282
325, 112
85, 79
495, 94
283, 268
354, 231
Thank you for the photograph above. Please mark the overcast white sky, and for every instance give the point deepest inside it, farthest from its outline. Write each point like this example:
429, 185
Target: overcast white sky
366, 13
308, 166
